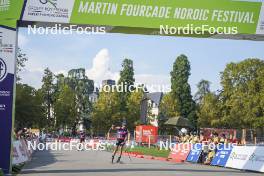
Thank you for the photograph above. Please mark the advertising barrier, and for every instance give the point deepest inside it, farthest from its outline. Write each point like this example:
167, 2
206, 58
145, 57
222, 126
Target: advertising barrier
146, 134
195, 153
7, 79
247, 158
21, 153
180, 152
221, 156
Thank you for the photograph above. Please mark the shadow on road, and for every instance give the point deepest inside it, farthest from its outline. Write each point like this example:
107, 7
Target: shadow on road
46, 156
126, 170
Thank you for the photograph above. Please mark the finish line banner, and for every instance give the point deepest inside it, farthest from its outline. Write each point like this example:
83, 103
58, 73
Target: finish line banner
246, 17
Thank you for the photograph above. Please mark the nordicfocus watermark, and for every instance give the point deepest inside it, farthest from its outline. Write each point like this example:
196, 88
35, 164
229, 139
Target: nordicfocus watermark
67, 146
197, 146
103, 146
125, 87
65, 30
190, 29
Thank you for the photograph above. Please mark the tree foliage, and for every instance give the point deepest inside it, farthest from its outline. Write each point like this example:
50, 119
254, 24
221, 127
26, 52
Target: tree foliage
167, 106
240, 104
181, 90
20, 63
29, 111
126, 80
242, 94
106, 111
48, 92
203, 89
64, 108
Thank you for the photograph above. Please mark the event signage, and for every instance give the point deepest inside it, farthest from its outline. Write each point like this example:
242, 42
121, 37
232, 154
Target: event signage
143, 15
195, 153
246, 17
222, 155
180, 152
7, 70
247, 158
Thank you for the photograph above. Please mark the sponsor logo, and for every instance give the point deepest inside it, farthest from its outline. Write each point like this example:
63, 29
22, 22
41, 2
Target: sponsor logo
2, 107
51, 2
48, 9
256, 158
3, 70
235, 156
4, 5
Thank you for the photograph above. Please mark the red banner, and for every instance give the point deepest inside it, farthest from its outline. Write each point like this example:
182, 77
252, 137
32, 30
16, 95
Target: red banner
180, 152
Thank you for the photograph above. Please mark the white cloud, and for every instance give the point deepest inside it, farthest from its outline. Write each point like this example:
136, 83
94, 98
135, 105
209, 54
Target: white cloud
101, 67
32, 78
101, 70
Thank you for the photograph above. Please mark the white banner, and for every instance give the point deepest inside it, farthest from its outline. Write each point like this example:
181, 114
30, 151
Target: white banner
247, 158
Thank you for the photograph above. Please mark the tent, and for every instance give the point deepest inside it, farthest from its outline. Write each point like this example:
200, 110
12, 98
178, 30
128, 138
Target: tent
179, 121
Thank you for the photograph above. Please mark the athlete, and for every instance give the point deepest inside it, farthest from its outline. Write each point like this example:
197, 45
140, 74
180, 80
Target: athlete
122, 135
82, 139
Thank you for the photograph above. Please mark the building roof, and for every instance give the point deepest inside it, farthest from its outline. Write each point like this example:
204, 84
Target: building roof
155, 97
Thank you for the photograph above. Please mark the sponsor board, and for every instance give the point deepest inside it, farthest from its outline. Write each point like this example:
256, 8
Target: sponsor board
48, 10
246, 17
180, 152
7, 70
247, 158
221, 156
260, 27
195, 153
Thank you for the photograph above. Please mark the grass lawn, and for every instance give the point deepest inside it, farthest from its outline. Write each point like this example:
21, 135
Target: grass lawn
151, 151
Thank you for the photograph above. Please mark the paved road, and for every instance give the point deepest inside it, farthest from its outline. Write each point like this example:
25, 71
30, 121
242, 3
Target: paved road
61, 163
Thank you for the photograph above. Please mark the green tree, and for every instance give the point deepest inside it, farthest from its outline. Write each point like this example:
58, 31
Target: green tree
203, 89
167, 110
167, 106
209, 111
82, 86
106, 111
48, 92
126, 80
64, 108
133, 106
29, 111
242, 94
20, 63
181, 90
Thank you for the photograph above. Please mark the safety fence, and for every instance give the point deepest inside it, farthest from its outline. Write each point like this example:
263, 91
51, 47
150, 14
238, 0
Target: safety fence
238, 157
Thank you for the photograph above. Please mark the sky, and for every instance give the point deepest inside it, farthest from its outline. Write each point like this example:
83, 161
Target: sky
153, 56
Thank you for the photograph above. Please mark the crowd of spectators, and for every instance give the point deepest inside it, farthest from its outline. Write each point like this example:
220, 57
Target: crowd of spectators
214, 139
